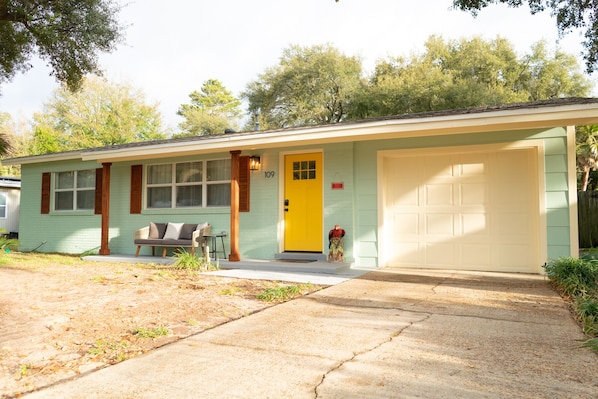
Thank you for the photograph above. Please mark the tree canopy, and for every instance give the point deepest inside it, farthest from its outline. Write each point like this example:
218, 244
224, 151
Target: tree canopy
211, 111
569, 14
310, 85
100, 114
319, 85
467, 73
5, 134
67, 34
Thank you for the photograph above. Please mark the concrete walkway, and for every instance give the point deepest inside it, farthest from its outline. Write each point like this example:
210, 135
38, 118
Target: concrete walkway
387, 334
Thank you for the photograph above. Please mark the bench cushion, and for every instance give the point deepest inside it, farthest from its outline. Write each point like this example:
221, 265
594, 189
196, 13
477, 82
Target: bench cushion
163, 242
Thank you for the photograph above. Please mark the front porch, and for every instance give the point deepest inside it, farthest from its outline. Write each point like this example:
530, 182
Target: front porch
277, 265
317, 272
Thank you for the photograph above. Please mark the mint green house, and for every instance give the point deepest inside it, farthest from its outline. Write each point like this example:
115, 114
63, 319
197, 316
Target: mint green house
489, 188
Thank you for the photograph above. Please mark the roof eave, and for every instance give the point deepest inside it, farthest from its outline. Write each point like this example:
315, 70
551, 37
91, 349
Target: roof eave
61, 156
518, 119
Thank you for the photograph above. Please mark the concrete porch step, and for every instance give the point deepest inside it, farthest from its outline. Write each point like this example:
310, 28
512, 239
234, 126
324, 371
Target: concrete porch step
301, 256
289, 266
277, 265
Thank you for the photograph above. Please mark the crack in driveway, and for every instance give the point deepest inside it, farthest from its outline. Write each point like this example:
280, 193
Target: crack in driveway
373, 348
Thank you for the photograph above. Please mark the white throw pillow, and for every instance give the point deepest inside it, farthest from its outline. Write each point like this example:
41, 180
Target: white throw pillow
173, 230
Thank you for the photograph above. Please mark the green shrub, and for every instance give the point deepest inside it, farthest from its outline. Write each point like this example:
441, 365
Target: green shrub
578, 279
189, 261
587, 310
8, 244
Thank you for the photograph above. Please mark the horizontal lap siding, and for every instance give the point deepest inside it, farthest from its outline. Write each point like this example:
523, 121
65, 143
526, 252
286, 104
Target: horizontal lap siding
557, 199
68, 233
11, 222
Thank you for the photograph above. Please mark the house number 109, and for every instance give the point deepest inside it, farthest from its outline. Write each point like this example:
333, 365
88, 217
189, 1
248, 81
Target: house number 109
269, 174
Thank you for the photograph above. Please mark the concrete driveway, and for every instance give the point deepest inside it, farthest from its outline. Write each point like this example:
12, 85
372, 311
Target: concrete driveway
391, 333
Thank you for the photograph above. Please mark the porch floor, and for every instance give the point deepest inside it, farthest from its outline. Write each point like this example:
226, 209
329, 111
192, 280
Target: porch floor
277, 265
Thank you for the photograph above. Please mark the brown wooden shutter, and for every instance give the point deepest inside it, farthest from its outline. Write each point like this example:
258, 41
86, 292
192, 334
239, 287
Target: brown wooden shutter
136, 188
97, 208
46, 190
244, 178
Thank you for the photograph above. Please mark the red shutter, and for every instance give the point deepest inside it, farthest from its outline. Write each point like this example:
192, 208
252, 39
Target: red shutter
97, 209
244, 178
46, 181
136, 188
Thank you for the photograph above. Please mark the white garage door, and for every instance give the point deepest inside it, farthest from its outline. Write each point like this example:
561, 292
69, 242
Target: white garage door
461, 210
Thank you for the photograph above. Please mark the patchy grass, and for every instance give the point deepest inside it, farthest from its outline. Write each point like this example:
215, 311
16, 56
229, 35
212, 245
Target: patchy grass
88, 311
283, 293
144, 332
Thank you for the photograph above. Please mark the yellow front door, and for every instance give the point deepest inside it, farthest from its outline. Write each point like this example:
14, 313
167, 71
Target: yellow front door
303, 202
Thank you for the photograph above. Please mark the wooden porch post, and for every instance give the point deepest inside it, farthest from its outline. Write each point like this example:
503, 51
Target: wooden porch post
104, 248
234, 206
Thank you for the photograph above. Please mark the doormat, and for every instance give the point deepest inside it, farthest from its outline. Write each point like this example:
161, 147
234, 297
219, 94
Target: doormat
295, 260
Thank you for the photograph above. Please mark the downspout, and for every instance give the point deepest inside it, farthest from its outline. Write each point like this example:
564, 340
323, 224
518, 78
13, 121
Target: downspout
234, 206
104, 248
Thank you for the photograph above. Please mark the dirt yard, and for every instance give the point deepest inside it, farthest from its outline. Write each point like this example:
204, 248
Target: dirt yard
61, 316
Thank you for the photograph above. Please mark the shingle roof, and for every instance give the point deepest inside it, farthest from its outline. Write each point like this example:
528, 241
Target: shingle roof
420, 115
558, 102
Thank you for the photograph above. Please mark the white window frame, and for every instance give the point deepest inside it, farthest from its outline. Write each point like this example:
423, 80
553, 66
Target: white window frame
5, 206
204, 183
75, 190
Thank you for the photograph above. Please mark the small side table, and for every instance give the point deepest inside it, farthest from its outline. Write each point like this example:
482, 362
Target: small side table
213, 240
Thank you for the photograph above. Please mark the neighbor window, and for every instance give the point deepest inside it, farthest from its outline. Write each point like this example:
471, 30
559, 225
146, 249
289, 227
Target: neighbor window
3, 211
194, 184
74, 190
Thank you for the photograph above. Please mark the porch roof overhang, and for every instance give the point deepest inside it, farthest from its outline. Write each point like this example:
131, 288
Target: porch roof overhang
526, 116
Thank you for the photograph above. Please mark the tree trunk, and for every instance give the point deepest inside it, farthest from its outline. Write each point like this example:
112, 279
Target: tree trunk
585, 179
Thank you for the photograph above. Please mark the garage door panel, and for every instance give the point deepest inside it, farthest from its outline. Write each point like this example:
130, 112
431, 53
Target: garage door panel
476, 256
407, 254
439, 254
511, 225
473, 166
469, 210
439, 194
406, 224
440, 224
406, 194
514, 257
437, 167
473, 193
474, 225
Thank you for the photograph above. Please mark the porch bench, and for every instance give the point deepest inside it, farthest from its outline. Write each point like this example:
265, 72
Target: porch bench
172, 235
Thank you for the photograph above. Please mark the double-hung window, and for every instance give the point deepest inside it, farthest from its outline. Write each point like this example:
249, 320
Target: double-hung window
195, 184
74, 190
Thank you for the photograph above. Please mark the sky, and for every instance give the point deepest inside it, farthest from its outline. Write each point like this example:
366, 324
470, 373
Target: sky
171, 48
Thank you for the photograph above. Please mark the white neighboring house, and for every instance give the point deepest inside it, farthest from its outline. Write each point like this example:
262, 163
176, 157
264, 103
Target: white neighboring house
10, 200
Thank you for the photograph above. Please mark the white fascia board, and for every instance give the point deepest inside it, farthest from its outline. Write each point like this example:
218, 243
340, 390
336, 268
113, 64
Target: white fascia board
61, 156
514, 119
